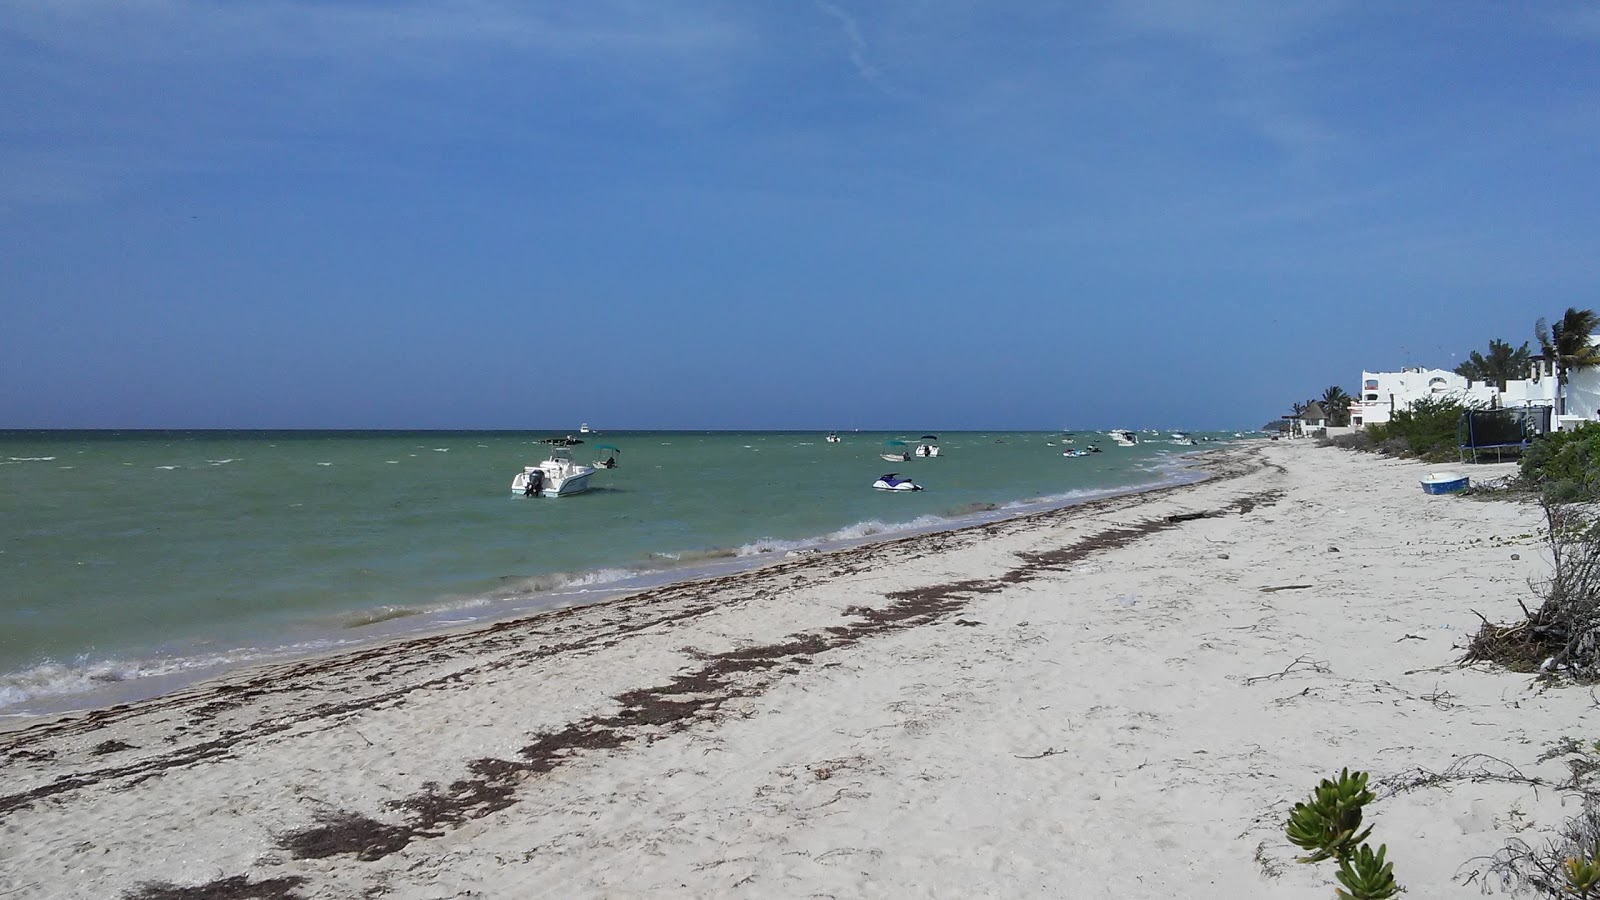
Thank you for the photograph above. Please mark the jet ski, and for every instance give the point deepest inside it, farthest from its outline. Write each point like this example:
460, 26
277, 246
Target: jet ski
893, 482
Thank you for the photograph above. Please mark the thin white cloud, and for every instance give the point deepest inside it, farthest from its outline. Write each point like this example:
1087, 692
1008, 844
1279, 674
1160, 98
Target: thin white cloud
856, 46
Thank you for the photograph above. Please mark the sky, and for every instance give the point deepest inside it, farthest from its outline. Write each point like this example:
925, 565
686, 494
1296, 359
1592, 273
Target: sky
742, 214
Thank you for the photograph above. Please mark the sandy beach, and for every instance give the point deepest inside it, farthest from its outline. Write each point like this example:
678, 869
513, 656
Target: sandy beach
1117, 699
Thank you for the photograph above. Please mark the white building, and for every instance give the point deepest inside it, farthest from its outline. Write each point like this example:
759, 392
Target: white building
1384, 393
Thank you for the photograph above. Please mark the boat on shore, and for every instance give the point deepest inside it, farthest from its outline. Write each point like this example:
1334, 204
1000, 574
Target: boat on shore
556, 476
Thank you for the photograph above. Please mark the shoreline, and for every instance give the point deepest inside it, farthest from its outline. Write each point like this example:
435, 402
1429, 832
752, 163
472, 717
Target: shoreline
1125, 695
186, 669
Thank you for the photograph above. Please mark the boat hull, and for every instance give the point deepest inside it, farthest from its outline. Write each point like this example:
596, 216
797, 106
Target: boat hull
895, 457
1445, 483
555, 485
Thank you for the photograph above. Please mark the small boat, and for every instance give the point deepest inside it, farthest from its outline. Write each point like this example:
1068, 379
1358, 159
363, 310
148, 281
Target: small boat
1182, 440
929, 446
557, 476
610, 461
584, 428
893, 482
895, 451
1444, 483
832, 438
1122, 437
1075, 453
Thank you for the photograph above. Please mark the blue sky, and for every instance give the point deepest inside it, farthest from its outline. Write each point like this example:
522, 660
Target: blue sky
740, 214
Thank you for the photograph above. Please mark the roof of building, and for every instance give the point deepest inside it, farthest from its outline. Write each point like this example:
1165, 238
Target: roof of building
1313, 410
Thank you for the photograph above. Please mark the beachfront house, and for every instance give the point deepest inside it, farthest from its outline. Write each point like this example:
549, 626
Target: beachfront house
1385, 393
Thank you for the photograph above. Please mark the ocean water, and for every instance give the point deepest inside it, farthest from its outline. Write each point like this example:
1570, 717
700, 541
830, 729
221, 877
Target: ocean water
134, 562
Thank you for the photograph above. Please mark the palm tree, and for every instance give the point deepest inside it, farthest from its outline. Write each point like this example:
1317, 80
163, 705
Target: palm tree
1337, 404
1503, 364
1566, 345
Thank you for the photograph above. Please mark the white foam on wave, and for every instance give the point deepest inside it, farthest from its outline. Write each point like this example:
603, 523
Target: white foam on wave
856, 532
169, 468
55, 680
392, 462
441, 449
324, 464
30, 458
221, 462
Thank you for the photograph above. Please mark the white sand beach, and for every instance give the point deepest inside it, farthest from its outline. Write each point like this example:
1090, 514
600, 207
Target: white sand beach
1116, 699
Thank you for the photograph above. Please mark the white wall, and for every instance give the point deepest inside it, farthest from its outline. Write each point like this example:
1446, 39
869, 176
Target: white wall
1398, 390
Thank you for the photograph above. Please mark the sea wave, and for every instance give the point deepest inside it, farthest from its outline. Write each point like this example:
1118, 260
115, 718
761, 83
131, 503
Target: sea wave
30, 458
53, 680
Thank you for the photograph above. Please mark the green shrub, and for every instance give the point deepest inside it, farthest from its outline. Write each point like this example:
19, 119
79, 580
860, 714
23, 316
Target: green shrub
1428, 429
1565, 465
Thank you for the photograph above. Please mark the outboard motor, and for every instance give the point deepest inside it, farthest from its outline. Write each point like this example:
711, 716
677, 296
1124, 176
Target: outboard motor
535, 483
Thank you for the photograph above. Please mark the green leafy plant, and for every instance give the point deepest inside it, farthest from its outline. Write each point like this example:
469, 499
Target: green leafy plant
1328, 825
1583, 876
1366, 875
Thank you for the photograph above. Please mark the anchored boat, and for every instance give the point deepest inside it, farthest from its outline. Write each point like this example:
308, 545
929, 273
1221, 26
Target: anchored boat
557, 476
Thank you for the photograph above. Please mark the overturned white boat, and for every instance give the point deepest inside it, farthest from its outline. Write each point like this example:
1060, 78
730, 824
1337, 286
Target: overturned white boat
929, 446
557, 476
893, 482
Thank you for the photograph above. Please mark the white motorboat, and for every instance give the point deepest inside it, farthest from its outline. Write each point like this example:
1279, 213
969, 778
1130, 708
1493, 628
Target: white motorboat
1122, 437
893, 482
557, 476
895, 451
929, 447
584, 428
832, 438
1182, 440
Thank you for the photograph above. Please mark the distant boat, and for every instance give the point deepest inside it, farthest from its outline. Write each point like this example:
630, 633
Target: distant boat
895, 451
1122, 437
832, 438
610, 461
929, 446
584, 428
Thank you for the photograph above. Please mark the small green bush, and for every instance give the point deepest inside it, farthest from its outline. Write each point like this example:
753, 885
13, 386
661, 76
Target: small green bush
1355, 440
1428, 429
1565, 465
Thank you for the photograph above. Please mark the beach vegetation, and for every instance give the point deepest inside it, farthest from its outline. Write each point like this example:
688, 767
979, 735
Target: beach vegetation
1561, 635
1329, 825
1564, 465
1501, 364
1567, 866
1427, 430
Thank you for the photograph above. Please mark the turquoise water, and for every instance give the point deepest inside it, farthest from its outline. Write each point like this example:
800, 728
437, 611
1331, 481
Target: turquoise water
131, 559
